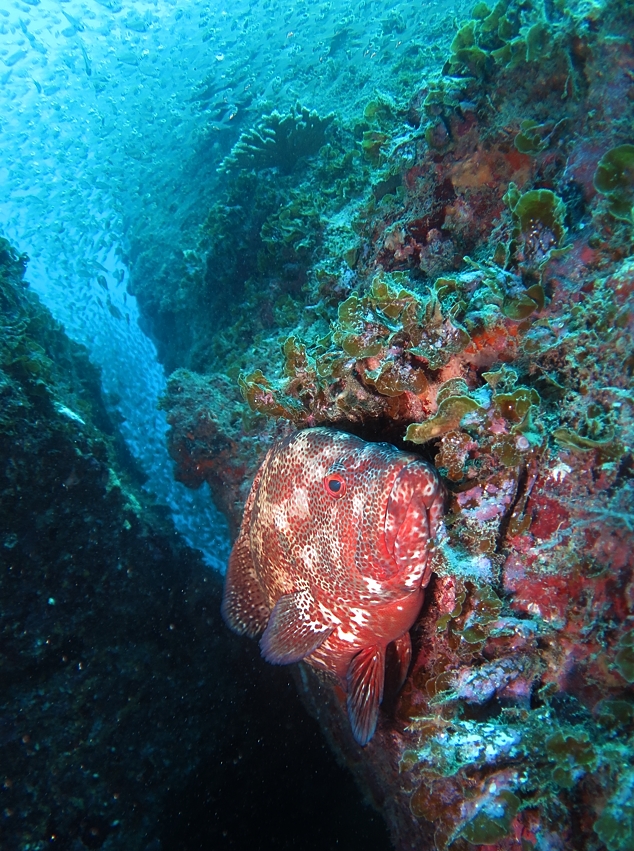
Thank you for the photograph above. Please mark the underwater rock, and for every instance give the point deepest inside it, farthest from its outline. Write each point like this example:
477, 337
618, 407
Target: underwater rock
211, 438
105, 611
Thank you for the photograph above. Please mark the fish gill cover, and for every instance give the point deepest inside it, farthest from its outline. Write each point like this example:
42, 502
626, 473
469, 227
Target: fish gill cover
414, 228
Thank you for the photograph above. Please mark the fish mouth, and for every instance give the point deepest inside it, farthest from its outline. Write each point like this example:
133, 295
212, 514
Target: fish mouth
407, 520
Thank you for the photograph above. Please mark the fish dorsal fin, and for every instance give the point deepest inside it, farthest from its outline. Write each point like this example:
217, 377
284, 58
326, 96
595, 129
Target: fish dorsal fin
293, 632
366, 676
244, 605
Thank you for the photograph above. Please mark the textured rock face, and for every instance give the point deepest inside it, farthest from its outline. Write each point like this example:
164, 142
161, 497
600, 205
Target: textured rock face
129, 716
102, 606
480, 310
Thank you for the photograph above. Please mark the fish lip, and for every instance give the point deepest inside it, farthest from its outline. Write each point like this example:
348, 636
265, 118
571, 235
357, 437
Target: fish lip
396, 508
407, 520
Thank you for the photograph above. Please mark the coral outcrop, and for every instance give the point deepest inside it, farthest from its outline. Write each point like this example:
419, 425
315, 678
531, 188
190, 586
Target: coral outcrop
472, 298
279, 141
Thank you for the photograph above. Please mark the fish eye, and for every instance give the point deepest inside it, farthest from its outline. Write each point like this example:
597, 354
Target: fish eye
335, 485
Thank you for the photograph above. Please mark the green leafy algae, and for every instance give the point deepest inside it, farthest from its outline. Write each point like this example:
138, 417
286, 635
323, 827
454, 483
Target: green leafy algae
382, 344
573, 753
509, 35
372, 145
530, 139
369, 325
516, 407
614, 178
571, 440
539, 217
615, 825
488, 827
449, 416
624, 661
454, 405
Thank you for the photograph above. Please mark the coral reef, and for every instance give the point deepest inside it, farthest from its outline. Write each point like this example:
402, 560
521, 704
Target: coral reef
211, 439
475, 302
279, 141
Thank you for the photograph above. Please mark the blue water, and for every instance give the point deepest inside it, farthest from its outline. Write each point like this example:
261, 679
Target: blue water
105, 107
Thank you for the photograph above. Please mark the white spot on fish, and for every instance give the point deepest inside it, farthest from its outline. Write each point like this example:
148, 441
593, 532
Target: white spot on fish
373, 586
328, 614
359, 616
280, 518
300, 503
350, 637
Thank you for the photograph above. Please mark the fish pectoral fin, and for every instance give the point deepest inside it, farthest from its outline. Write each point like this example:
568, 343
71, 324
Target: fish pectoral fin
403, 652
292, 632
366, 676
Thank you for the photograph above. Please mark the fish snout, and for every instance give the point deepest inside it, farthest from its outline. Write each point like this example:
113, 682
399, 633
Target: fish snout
413, 510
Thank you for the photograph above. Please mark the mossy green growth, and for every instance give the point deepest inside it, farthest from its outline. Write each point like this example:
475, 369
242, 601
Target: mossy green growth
624, 661
442, 98
466, 52
263, 397
352, 333
380, 109
448, 417
384, 340
291, 232
372, 144
486, 608
455, 402
516, 406
443, 621
531, 138
538, 218
391, 299
492, 823
614, 178
480, 11
295, 355
522, 305
539, 41
369, 324
510, 34
615, 825
609, 446
391, 380
615, 713
574, 755
537, 207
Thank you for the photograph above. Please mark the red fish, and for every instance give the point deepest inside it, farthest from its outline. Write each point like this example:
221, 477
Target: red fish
331, 560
